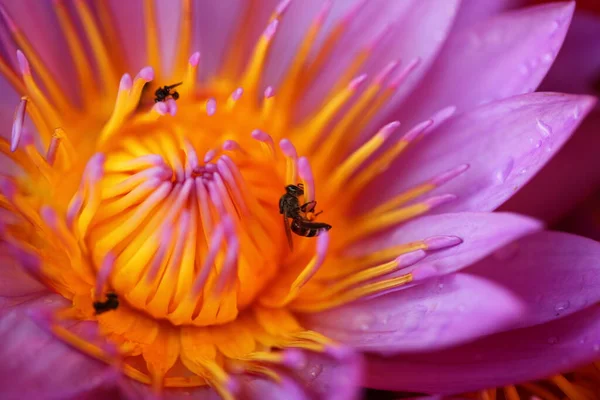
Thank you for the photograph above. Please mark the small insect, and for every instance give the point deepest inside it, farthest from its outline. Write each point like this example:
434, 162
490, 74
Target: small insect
111, 303
162, 93
290, 208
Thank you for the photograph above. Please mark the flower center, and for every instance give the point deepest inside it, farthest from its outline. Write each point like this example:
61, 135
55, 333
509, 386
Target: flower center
165, 226
184, 219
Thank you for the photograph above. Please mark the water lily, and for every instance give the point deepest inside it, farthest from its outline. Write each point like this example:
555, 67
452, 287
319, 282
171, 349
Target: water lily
144, 249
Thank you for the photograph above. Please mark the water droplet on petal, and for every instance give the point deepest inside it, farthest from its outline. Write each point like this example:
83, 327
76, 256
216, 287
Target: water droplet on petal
543, 128
577, 112
441, 286
538, 144
562, 306
554, 26
314, 371
363, 321
548, 57
552, 340
502, 174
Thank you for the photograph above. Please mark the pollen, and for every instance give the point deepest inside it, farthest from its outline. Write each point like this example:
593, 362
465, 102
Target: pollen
158, 217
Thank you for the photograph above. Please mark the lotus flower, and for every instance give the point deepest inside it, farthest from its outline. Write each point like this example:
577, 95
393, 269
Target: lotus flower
144, 247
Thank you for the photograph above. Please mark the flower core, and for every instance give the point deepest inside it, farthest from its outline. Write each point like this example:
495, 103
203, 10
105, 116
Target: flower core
173, 206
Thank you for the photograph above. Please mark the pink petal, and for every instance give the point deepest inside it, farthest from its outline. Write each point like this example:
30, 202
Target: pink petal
580, 53
261, 389
442, 312
481, 234
417, 29
15, 281
134, 390
36, 19
473, 11
505, 358
496, 58
36, 365
570, 177
328, 378
556, 274
505, 143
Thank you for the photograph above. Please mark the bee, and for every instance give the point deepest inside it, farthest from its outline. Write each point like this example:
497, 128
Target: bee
162, 93
290, 208
111, 303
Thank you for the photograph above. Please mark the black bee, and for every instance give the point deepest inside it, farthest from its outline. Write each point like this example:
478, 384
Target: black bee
290, 208
162, 93
111, 303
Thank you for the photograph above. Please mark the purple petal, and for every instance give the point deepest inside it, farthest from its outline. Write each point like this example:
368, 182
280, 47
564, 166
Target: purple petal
570, 177
15, 280
439, 313
581, 53
505, 358
36, 365
328, 378
473, 11
505, 143
499, 57
481, 234
261, 389
556, 274
417, 28
134, 390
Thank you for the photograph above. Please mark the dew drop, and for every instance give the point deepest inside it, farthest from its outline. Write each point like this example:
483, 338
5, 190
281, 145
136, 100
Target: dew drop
552, 340
577, 112
363, 321
538, 144
548, 57
314, 371
502, 174
524, 69
441, 286
523, 171
554, 26
562, 306
543, 128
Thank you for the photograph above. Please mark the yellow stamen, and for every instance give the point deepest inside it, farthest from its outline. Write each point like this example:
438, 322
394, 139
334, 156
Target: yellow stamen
152, 42
184, 38
107, 73
82, 65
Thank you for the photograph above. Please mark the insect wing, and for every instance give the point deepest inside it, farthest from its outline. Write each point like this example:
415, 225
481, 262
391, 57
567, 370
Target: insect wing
288, 232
